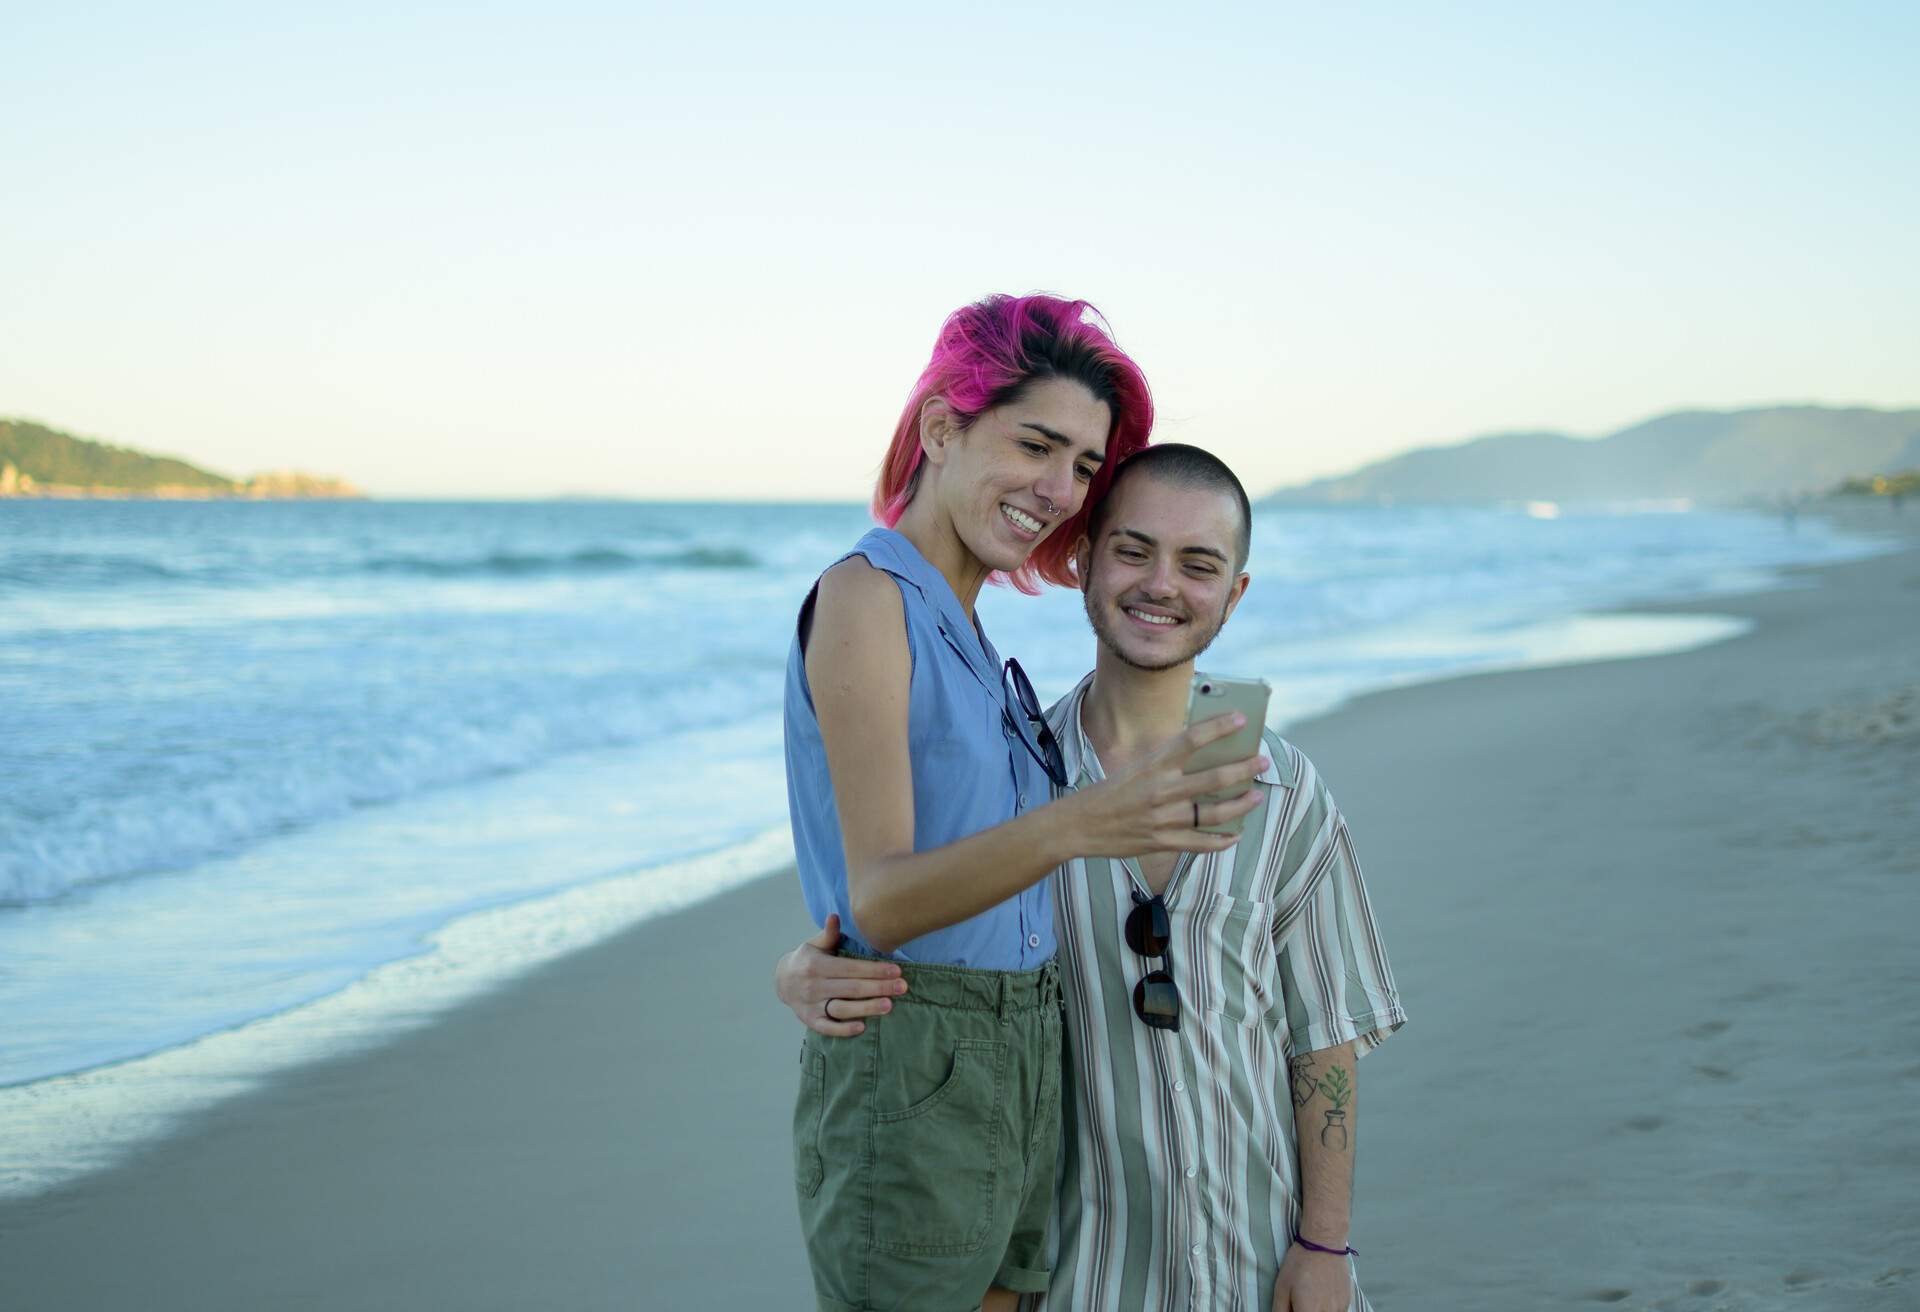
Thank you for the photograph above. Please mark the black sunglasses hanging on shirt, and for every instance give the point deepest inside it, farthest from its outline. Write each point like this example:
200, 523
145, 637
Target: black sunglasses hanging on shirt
1149, 932
1014, 684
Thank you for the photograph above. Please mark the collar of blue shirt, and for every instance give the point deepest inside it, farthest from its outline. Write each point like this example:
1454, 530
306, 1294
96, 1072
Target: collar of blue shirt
962, 634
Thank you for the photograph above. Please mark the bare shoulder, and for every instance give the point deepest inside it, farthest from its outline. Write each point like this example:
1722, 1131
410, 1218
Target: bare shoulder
855, 587
854, 599
858, 621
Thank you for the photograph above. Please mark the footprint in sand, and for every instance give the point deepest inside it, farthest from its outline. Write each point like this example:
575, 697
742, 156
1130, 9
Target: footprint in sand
1644, 1124
1718, 1074
1707, 1029
1690, 1301
1607, 1295
1800, 1279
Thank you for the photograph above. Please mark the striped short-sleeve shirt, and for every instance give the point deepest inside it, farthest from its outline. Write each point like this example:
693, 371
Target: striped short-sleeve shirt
1180, 1183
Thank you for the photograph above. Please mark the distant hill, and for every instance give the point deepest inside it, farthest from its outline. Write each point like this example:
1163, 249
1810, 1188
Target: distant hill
1698, 455
39, 461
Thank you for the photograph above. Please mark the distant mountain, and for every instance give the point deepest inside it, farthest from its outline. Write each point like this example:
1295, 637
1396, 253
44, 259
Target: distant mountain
1698, 455
36, 461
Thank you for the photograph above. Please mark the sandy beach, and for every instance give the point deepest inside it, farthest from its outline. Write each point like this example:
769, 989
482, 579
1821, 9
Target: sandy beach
1651, 919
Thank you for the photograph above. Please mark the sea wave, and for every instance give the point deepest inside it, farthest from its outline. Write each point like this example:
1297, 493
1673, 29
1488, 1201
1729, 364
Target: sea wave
586, 560
169, 821
72, 569
82, 569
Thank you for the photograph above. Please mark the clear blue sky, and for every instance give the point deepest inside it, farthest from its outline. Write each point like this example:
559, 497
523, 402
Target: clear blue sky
489, 249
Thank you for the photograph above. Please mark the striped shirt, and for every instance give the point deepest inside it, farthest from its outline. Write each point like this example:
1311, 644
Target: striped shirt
1179, 1183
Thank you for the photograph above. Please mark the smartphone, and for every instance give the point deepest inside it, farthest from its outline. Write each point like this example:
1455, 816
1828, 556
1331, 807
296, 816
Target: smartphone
1213, 695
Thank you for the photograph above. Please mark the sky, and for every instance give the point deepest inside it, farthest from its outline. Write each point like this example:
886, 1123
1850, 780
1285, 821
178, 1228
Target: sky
702, 252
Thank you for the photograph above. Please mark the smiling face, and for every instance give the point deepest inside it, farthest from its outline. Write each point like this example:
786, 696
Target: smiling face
1020, 470
1162, 579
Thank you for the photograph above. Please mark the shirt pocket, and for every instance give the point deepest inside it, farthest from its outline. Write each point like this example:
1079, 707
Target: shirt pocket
961, 756
1238, 975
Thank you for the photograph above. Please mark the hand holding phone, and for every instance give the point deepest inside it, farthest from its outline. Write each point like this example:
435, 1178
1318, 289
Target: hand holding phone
1212, 695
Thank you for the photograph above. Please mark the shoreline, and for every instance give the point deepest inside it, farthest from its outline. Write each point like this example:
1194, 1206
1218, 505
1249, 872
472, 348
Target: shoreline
1604, 990
86, 1121
63, 1127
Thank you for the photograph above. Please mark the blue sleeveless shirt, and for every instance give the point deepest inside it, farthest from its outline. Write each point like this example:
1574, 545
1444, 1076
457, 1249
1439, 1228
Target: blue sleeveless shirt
969, 771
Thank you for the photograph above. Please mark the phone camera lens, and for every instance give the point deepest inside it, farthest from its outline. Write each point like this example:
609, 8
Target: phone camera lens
1206, 690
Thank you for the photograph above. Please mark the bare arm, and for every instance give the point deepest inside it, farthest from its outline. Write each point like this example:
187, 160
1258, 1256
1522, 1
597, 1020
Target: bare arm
859, 672
1325, 1110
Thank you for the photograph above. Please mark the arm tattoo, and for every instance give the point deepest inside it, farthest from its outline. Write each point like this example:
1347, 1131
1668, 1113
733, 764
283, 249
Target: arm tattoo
1338, 1088
1301, 1071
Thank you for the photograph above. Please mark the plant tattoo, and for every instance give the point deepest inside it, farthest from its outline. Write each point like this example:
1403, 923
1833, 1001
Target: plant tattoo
1339, 1091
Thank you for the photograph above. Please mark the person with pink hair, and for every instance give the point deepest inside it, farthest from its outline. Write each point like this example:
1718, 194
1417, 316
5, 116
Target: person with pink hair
921, 782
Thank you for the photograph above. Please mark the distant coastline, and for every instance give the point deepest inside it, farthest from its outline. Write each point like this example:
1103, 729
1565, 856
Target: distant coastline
289, 486
1762, 457
45, 463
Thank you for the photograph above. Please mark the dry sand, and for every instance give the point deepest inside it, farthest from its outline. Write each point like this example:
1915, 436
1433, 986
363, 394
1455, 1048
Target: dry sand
1652, 920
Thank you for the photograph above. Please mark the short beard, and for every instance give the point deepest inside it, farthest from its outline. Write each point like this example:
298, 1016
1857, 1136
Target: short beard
1111, 640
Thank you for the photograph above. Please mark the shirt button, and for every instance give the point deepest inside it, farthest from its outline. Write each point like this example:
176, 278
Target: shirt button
1179, 1086
1023, 799
1192, 1171
1196, 1250
1033, 940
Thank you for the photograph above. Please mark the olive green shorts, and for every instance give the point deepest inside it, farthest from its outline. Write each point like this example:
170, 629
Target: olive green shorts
924, 1149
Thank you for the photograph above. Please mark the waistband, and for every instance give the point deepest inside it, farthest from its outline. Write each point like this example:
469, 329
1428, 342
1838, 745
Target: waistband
969, 989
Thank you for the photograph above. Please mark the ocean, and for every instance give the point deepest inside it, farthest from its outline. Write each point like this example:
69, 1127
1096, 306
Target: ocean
279, 778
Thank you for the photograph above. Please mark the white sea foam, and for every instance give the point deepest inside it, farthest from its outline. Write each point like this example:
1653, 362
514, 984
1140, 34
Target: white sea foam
1377, 662
56, 1129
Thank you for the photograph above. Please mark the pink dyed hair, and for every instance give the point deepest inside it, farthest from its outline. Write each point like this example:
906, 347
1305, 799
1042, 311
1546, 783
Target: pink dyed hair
987, 354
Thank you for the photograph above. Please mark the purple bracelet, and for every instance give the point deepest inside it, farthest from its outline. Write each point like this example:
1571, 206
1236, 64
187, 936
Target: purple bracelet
1309, 1245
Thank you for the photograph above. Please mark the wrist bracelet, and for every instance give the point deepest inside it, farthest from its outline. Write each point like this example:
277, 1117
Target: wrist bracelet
1310, 1246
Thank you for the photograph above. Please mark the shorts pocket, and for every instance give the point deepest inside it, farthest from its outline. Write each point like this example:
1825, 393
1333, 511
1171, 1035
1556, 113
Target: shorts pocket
1043, 1135
1237, 974
808, 1108
935, 1160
